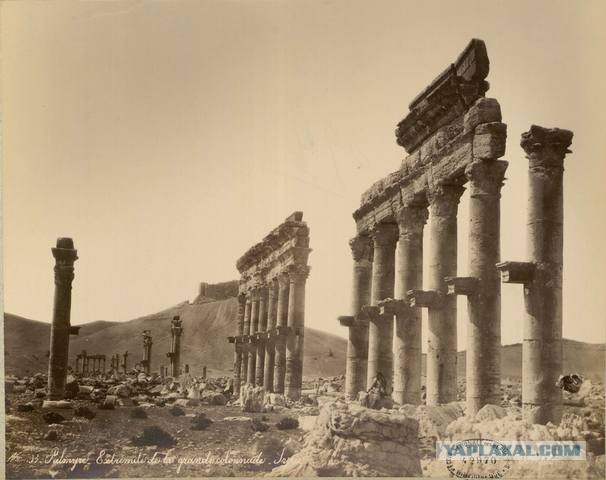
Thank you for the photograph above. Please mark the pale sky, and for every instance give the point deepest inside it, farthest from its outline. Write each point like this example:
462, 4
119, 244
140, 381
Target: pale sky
167, 138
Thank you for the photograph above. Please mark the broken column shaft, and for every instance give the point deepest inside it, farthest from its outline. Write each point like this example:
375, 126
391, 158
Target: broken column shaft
176, 331
542, 274
282, 319
65, 255
409, 276
380, 327
147, 344
357, 343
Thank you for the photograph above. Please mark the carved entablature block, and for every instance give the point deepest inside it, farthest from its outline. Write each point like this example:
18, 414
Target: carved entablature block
447, 97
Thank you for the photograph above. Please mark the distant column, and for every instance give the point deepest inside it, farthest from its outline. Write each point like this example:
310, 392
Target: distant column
296, 331
270, 350
238, 343
147, 344
254, 325
282, 319
176, 330
542, 275
245, 339
357, 344
125, 364
380, 327
65, 256
260, 336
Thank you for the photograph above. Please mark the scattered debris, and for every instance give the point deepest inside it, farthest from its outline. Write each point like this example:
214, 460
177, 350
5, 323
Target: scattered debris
287, 423
138, 412
53, 417
85, 412
154, 435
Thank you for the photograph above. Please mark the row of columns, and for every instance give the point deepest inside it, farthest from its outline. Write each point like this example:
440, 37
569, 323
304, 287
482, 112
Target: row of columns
270, 334
387, 293
147, 344
388, 263
89, 363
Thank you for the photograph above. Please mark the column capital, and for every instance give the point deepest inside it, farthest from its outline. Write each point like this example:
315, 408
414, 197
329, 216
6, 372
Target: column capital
298, 272
486, 177
263, 292
283, 279
411, 218
242, 299
65, 255
385, 234
444, 199
546, 147
361, 248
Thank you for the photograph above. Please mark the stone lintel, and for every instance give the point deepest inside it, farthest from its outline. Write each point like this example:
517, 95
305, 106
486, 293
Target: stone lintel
347, 320
516, 272
231, 339
424, 298
461, 285
391, 306
74, 330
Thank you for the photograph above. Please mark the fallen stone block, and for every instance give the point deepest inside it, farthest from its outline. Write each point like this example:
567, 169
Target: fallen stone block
56, 404
350, 440
154, 435
53, 417
109, 403
25, 407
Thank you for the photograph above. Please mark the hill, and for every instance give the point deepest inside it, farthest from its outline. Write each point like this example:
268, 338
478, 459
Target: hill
206, 326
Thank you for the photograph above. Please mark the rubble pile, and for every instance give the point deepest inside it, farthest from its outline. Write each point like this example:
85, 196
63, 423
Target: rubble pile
350, 440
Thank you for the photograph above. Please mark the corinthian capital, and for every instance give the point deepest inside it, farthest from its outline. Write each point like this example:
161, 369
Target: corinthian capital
385, 234
361, 248
486, 177
411, 218
546, 147
298, 272
444, 199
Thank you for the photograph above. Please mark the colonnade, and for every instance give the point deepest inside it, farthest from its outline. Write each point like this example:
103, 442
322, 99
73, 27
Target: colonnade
271, 334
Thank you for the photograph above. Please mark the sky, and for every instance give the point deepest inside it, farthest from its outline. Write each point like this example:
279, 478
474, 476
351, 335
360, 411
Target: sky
167, 138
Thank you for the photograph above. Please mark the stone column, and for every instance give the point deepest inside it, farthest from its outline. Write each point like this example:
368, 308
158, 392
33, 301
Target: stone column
482, 288
176, 330
282, 319
357, 344
409, 276
380, 327
254, 325
125, 364
441, 377
65, 255
238, 343
270, 350
542, 275
147, 344
244, 346
296, 331
260, 336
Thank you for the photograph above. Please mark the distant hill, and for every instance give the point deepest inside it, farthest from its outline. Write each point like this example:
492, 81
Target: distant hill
206, 327
204, 343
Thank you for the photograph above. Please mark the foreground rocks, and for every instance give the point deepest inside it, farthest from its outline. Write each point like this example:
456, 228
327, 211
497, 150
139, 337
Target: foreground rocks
350, 440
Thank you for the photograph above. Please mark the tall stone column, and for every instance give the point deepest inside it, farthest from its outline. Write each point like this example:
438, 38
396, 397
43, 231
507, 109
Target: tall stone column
238, 343
125, 364
282, 319
296, 331
542, 274
357, 343
380, 327
482, 287
65, 255
409, 276
260, 336
442, 309
147, 344
254, 325
176, 330
270, 350
245, 335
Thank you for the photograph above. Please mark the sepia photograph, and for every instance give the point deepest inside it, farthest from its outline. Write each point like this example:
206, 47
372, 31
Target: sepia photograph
320, 238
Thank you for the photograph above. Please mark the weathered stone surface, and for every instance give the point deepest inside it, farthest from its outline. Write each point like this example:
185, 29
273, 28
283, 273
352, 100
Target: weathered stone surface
484, 110
251, 398
434, 419
489, 140
349, 440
